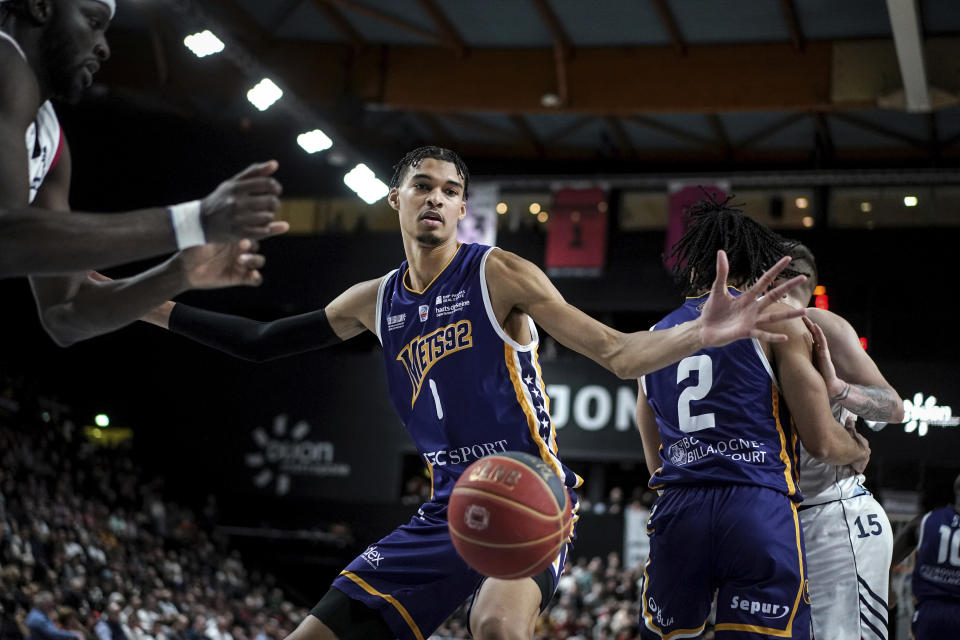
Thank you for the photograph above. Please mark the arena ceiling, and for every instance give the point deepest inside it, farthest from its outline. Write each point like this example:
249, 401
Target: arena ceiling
636, 84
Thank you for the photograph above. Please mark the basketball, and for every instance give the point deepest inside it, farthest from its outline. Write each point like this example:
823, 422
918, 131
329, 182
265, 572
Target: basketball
509, 515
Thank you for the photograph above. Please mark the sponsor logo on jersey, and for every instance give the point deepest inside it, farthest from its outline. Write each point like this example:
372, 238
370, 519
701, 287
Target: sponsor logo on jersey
421, 353
372, 557
690, 449
424, 312
658, 614
463, 455
396, 322
770, 610
451, 303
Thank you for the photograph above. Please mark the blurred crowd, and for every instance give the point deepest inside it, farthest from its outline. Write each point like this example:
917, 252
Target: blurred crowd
89, 551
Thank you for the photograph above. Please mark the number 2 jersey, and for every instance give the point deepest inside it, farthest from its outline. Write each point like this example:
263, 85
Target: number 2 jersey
936, 575
721, 417
463, 387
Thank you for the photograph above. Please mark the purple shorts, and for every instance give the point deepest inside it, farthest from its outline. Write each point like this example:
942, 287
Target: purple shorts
415, 578
744, 544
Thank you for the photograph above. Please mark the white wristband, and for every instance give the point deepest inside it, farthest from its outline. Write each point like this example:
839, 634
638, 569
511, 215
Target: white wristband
186, 224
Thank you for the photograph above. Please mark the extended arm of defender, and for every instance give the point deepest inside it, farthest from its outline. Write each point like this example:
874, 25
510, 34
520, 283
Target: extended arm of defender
515, 283
649, 432
345, 317
852, 377
806, 395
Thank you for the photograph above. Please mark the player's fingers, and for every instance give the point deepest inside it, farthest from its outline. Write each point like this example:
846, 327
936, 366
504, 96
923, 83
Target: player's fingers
258, 185
260, 204
779, 315
720, 282
778, 291
767, 336
262, 231
252, 261
258, 169
96, 276
253, 279
759, 287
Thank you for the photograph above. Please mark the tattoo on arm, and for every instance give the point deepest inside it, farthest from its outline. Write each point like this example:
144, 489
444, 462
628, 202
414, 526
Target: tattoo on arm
870, 403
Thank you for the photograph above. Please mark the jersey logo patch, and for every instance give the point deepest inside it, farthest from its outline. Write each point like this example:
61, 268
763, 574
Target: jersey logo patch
421, 353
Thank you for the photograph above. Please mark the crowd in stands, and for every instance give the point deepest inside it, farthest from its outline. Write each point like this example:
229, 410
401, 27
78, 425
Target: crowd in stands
91, 550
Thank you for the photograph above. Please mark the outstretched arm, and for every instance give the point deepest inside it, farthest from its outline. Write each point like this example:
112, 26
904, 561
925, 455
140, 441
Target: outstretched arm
852, 377
345, 317
73, 308
806, 395
517, 284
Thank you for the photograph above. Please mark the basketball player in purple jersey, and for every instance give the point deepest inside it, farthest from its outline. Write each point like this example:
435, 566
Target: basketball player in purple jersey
936, 575
458, 328
720, 434
846, 532
51, 49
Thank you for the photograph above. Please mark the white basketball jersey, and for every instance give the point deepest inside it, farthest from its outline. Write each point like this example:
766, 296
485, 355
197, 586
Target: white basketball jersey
43, 138
823, 482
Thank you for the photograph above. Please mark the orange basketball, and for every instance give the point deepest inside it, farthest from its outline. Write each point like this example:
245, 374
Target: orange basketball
509, 515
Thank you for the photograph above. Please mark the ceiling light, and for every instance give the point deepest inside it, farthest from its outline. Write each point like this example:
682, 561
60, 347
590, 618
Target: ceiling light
866, 207
203, 44
534, 208
362, 180
501, 208
314, 141
807, 221
910, 201
802, 203
264, 94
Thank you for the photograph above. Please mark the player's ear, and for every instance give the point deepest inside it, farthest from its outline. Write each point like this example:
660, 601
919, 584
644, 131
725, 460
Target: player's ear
40, 11
463, 211
394, 199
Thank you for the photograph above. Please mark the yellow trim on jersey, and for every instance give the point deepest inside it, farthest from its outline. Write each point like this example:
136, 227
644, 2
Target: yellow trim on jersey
396, 605
533, 422
648, 618
786, 632
430, 469
403, 280
785, 456
553, 427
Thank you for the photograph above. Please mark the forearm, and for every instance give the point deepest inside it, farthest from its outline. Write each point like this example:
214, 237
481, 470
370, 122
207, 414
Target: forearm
870, 402
98, 308
245, 338
47, 242
640, 353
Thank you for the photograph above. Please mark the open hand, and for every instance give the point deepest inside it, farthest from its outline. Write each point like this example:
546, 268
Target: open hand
244, 206
726, 317
216, 265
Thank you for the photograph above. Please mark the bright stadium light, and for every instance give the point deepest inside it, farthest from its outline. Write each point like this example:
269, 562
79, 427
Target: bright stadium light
203, 44
314, 141
264, 94
362, 180
102, 420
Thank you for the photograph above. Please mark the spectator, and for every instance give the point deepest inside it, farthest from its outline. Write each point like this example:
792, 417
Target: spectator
41, 625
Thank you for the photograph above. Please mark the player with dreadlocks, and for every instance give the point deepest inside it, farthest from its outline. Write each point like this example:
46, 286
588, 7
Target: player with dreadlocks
457, 326
720, 435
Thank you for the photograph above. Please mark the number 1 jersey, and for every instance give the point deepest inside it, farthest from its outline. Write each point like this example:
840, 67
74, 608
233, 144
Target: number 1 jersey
937, 571
463, 387
721, 417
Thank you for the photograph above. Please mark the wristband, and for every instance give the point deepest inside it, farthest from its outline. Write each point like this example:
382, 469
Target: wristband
187, 228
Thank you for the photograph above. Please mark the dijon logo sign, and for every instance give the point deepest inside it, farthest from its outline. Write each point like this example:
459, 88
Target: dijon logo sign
919, 413
283, 455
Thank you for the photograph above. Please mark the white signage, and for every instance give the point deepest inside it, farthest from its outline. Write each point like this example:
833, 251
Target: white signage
919, 413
